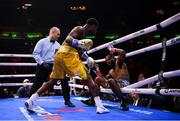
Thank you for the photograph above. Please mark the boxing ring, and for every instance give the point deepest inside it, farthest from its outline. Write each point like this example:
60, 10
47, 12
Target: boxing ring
65, 113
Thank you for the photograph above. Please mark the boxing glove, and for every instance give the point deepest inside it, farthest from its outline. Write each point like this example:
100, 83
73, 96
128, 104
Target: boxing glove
90, 62
111, 49
85, 44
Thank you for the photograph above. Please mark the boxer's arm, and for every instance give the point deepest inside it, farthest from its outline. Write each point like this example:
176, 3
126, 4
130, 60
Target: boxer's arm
120, 53
74, 39
75, 33
97, 71
121, 56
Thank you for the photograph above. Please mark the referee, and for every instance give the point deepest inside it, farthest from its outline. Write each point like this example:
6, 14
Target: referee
43, 54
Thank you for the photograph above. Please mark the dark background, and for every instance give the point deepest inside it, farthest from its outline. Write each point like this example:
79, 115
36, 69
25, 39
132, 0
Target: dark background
119, 17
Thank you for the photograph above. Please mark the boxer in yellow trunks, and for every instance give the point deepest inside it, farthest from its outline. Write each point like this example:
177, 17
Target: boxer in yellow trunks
68, 60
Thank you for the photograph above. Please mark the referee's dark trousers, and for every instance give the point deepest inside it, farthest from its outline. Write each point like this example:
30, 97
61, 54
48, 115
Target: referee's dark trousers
42, 75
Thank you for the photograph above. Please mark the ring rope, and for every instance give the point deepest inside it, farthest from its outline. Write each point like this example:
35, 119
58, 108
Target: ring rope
167, 92
17, 55
137, 84
155, 27
128, 89
170, 42
18, 64
174, 92
154, 78
17, 75
14, 84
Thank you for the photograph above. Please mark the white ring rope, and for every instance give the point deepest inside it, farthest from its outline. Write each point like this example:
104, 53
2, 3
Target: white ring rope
135, 85
163, 24
154, 78
14, 84
151, 79
130, 88
170, 42
17, 55
18, 64
174, 92
17, 75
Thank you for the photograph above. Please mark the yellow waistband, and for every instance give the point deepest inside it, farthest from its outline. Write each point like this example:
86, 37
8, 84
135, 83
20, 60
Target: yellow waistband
67, 49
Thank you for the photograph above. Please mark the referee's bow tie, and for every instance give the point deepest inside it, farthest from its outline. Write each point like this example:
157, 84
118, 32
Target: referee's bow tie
53, 41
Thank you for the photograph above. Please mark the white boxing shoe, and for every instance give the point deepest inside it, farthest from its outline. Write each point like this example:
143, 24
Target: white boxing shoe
29, 105
101, 110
